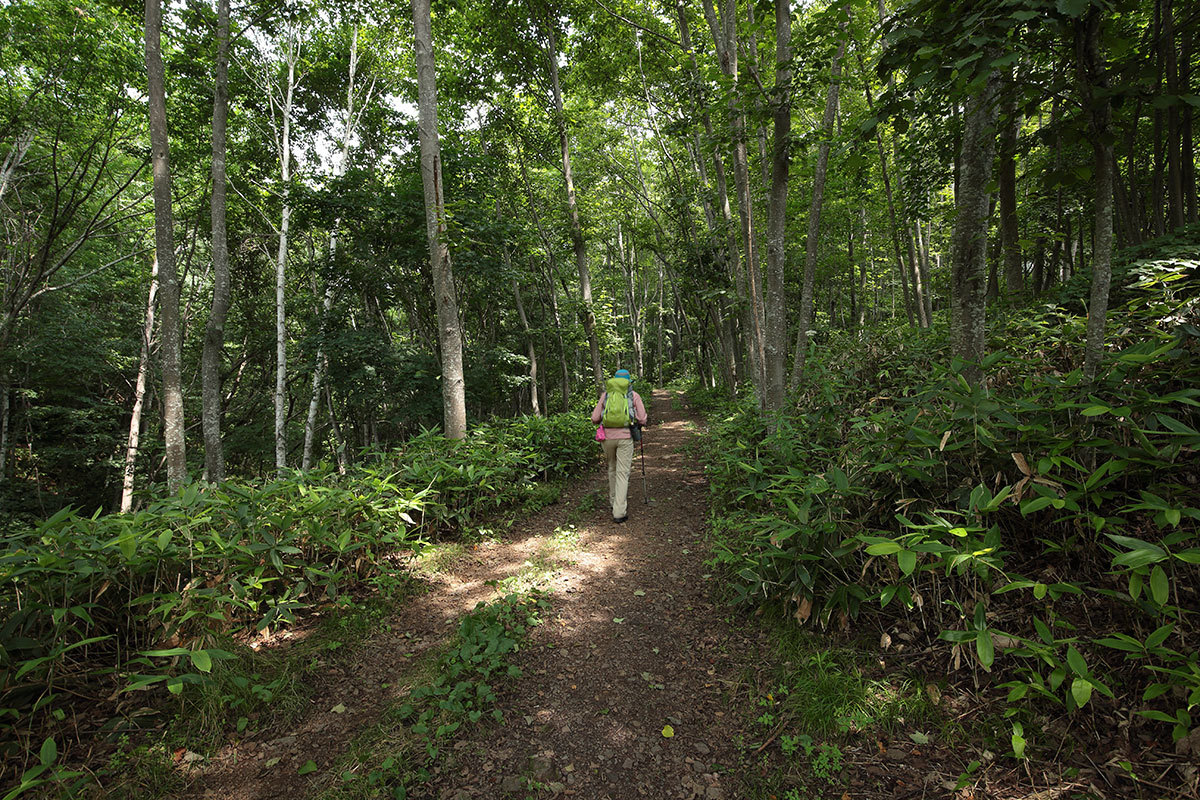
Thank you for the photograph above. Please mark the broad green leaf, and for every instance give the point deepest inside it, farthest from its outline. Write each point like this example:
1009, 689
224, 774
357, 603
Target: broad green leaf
49, 752
1081, 690
1159, 636
1159, 586
884, 548
986, 649
309, 766
1076, 662
907, 560
668, 731
202, 660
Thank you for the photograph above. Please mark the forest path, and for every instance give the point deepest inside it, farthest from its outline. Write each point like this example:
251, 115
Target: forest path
632, 643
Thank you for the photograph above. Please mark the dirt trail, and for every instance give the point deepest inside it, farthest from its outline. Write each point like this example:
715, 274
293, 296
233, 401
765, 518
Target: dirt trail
632, 644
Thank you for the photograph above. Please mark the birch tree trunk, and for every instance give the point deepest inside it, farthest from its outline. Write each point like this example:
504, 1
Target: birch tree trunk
968, 265
214, 332
449, 332
321, 363
776, 305
581, 264
139, 395
814, 214
284, 143
164, 240
319, 368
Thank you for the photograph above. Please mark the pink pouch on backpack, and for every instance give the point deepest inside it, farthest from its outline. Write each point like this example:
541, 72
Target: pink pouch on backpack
600, 437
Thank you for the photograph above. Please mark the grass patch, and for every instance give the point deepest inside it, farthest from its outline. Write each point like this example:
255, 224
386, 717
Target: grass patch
135, 772
815, 699
536, 573
452, 689
437, 558
585, 507
831, 691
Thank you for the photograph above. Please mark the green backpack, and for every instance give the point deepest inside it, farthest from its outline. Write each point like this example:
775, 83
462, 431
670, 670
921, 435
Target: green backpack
618, 404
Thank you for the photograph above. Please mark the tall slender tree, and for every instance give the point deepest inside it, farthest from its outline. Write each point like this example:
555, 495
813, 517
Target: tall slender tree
449, 333
577, 242
1096, 98
164, 240
214, 332
814, 213
968, 258
776, 302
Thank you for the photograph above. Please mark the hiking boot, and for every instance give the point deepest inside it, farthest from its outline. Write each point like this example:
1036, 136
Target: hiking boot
621, 519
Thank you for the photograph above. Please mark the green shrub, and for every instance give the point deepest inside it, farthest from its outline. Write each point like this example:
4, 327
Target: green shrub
143, 598
901, 484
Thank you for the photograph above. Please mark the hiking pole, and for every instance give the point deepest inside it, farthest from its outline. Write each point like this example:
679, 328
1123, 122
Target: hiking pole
642, 447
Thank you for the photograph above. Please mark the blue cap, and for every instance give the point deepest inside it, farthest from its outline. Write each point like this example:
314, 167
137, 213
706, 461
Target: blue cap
621, 373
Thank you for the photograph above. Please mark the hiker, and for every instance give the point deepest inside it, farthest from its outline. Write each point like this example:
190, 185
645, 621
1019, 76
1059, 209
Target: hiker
617, 410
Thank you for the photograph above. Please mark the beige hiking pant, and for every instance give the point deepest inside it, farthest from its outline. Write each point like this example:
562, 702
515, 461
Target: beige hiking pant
619, 454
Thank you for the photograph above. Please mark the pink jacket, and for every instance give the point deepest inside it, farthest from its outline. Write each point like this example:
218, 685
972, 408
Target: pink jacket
639, 412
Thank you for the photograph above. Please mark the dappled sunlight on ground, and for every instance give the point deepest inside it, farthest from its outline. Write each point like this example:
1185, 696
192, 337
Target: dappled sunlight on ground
627, 650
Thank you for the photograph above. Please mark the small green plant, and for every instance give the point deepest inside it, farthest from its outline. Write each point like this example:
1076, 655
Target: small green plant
459, 691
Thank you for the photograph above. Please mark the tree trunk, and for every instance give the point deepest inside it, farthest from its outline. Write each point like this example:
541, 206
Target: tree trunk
1094, 94
724, 32
449, 331
321, 362
1158, 188
581, 264
863, 269
1175, 155
729, 254
1009, 235
139, 395
285, 174
534, 406
658, 350
814, 214
894, 228
924, 271
968, 266
776, 305
1038, 277
319, 370
552, 296
164, 240
214, 332
338, 438
1189, 159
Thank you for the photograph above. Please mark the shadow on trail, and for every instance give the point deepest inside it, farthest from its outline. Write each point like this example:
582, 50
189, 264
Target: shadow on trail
621, 694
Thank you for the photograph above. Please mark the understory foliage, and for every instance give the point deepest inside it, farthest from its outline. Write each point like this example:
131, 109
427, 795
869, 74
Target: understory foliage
93, 603
1044, 529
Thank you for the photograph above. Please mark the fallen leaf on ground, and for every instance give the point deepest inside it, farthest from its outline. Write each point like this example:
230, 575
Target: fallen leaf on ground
309, 766
668, 731
338, 709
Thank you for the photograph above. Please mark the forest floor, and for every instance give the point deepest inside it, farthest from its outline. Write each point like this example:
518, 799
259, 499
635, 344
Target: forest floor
638, 683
